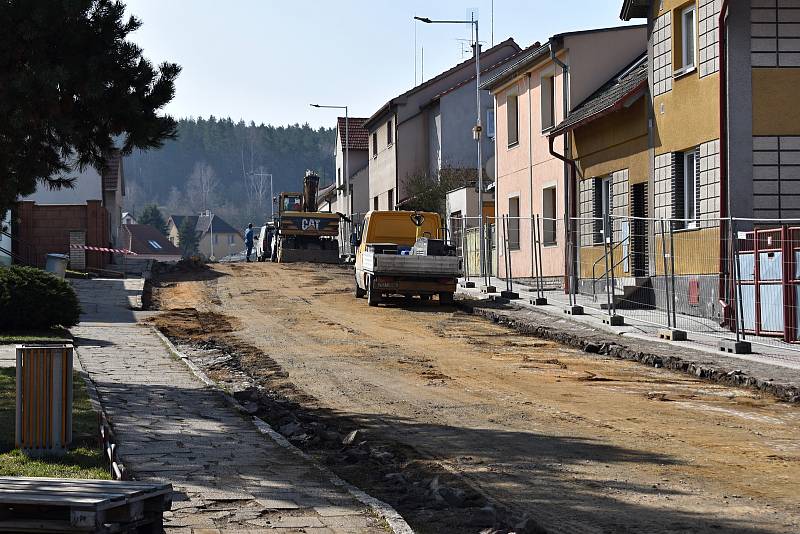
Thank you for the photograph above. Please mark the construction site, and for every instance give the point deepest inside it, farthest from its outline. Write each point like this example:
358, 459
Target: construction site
463, 420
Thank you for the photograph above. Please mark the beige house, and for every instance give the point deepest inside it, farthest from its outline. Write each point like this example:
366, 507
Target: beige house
429, 128
533, 94
217, 238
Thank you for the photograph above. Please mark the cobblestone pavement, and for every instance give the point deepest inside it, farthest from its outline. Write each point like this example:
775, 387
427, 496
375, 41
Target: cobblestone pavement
228, 477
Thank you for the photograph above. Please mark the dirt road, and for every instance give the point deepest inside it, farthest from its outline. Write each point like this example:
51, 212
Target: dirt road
577, 443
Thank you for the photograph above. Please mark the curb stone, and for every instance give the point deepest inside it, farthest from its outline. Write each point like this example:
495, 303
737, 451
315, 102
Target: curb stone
378, 507
606, 344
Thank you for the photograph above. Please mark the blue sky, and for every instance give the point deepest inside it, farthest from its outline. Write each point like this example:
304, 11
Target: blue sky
266, 61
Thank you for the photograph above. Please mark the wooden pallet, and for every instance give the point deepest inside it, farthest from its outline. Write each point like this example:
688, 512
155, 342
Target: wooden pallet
58, 505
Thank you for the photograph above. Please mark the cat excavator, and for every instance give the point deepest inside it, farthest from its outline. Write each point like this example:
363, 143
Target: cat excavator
302, 233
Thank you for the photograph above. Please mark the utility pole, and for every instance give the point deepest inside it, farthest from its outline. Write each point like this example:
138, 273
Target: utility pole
477, 130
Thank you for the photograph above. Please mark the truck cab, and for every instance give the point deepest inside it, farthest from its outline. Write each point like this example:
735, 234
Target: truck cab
405, 253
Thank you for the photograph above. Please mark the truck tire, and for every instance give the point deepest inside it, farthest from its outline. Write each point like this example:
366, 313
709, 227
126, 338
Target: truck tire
360, 293
373, 297
446, 298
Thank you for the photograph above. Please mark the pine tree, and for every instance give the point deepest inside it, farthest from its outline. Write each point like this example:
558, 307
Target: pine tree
72, 85
187, 238
152, 215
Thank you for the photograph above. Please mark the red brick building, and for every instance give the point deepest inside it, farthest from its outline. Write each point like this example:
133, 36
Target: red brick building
89, 214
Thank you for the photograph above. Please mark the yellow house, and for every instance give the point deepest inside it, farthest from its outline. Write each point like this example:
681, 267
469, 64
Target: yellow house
216, 238
609, 145
724, 132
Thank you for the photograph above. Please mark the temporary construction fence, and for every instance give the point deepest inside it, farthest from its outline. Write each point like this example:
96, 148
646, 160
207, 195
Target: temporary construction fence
729, 278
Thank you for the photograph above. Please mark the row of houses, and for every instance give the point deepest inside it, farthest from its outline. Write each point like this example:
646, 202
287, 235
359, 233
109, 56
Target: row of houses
87, 223
691, 116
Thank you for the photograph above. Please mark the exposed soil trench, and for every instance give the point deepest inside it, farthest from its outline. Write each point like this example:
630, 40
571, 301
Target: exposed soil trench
463, 424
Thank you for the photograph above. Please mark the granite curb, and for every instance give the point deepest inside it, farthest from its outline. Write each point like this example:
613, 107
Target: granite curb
381, 509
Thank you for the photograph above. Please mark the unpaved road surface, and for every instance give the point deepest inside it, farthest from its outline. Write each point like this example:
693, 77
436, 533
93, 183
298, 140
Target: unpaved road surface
573, 442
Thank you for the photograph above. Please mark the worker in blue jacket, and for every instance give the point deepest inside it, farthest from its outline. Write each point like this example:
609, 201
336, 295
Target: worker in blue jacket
248, 240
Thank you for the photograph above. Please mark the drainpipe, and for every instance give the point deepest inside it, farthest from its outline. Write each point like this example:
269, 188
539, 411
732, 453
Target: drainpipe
567, 162
725, 200
568, 234
530, 165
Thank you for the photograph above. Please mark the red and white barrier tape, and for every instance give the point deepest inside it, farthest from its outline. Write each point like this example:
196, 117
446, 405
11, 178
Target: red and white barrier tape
103, 249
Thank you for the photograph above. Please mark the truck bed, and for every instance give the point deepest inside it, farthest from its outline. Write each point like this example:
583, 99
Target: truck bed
422, 266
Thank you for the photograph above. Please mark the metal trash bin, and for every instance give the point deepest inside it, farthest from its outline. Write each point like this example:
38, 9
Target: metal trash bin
44, 398
57, 264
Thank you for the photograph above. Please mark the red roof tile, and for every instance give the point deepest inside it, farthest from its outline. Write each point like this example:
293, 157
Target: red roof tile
356, 133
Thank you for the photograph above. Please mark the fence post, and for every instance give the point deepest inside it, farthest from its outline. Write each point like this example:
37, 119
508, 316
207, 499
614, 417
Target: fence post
465, 254
574, 308
613, 319
540, 300
509, 292
739, 345
486, 265
664, 261
672, 275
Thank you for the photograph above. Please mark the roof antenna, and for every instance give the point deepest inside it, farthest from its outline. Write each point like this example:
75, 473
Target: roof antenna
422, 67
492, 22
415, 49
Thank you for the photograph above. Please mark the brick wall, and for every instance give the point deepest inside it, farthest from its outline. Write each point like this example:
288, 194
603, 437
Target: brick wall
619, 201
44, 229
775, 31
663, 187
708, 12
776, 177
709, 184
662, 54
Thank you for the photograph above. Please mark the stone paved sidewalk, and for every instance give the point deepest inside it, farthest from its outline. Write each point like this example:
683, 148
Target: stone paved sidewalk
228, 476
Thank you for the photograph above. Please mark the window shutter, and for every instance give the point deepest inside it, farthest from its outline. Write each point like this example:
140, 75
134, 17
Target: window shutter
597, 195
697, 184
678, 207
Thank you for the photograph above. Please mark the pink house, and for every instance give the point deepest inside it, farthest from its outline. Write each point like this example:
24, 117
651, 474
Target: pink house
533, 94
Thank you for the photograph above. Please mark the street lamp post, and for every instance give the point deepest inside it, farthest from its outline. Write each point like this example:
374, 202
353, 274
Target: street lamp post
346, 154
477, 131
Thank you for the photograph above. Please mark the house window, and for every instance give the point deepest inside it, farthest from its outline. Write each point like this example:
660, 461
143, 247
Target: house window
389, 132
686, 205
549, 216
391, 199
216, 238
375, 203
548, 102
512, 119
490, 131
155, 245
688, 37
339, 176
513, 223
602, 209
231, 239
375, 145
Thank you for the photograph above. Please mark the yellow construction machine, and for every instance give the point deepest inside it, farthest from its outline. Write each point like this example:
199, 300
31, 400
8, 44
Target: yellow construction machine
301, 232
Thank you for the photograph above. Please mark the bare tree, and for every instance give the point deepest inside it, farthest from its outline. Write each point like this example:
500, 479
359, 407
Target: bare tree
176, 202
201, 186
258, 187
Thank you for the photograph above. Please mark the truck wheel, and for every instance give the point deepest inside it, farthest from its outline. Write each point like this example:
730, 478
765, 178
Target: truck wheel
445, 298
373, 297
360, 293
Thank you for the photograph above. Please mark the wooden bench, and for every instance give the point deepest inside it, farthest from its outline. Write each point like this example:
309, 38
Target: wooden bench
60, 505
